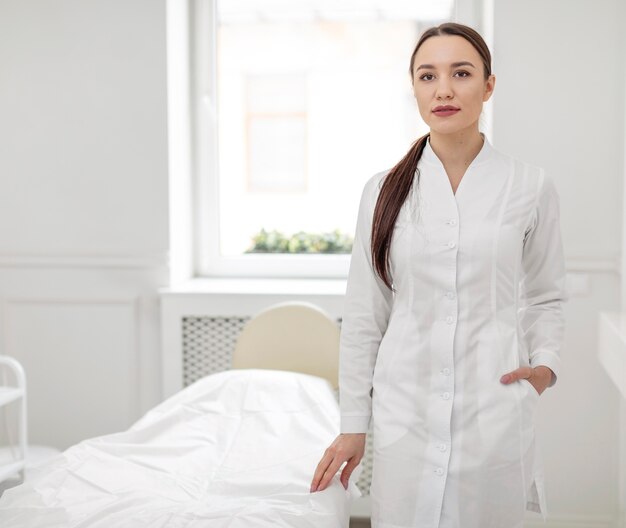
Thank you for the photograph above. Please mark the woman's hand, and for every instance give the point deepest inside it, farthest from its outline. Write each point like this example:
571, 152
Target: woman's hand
539, 377
347, 447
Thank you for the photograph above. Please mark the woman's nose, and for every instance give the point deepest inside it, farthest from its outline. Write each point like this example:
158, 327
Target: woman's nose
444, 90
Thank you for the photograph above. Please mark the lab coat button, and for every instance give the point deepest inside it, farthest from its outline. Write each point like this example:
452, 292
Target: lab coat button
449, 319
450, 295
446, 395
442, 447
451, 244
439, 471
446, 371
453, 221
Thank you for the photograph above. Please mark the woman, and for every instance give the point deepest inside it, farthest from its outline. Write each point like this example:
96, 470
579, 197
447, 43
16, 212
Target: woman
453, 316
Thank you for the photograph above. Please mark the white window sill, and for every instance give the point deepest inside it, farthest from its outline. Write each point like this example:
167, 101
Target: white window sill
256, 286
612, 347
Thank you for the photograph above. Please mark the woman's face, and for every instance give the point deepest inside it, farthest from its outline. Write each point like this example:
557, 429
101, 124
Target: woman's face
438, 81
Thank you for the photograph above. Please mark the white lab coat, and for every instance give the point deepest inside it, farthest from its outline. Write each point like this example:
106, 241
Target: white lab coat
480, 282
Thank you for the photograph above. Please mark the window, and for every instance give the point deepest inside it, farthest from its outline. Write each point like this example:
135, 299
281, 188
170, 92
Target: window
275, 134
295, 104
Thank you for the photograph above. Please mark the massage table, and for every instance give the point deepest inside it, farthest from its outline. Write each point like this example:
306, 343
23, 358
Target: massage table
236, 449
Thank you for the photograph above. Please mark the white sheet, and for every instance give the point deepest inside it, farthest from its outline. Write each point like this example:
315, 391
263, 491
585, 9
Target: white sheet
236, 449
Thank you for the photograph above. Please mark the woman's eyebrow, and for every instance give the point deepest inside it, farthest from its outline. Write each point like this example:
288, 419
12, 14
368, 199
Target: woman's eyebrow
453, 65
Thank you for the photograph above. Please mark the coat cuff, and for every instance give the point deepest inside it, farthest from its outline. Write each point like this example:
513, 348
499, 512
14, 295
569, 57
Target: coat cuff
355, 424
548, 359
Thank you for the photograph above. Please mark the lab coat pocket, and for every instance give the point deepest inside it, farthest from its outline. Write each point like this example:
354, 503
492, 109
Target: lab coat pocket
530, 388
529, 404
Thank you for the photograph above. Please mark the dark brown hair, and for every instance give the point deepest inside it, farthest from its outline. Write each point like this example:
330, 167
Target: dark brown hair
397, 183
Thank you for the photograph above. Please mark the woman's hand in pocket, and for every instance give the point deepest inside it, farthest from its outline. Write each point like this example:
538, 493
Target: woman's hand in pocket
539, 377
347, 447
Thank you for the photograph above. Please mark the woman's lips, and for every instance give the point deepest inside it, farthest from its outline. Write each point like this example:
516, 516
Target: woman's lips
443, 113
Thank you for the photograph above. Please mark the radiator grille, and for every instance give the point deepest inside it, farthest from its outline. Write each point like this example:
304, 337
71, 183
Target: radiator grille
208, 344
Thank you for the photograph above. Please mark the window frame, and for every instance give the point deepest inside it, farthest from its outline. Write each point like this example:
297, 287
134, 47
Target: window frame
194, 171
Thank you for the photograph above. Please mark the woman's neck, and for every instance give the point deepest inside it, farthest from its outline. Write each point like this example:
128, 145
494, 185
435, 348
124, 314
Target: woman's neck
456, 150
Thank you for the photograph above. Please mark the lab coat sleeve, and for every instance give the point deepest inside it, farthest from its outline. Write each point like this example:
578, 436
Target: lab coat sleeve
543, 286
367, 305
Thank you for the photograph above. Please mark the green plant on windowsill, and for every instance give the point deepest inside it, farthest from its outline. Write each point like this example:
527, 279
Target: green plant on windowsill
301, 242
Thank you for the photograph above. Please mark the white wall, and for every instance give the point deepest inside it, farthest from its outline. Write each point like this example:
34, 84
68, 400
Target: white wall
84, 220
83, 208
559, 102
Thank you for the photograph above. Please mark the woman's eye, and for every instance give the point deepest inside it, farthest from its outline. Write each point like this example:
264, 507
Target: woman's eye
463, 72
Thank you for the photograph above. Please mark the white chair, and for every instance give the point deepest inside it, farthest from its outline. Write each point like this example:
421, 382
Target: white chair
14, 469
294, 335
8, 394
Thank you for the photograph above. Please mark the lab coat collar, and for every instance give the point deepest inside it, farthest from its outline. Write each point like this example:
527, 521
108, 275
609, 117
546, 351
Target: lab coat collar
429, 156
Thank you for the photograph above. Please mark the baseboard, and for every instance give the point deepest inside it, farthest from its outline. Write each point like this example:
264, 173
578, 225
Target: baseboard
575, 521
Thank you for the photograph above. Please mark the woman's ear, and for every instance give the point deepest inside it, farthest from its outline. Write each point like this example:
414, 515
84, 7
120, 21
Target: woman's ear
490, 85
